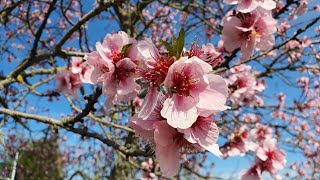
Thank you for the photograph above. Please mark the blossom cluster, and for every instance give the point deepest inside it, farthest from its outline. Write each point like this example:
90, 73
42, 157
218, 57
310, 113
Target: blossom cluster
69, 80
182, 92
249, 28
268, 156
245, 86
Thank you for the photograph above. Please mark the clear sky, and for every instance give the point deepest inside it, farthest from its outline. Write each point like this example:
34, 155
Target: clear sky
229, 168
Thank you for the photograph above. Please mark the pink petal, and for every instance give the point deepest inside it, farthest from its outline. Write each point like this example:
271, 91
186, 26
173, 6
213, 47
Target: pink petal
262, 154
149, 103
148, 50
167, 150
177, 118
213, 148
142, 128
246, 6
247, 48
231, 1
268, 4
169, 157
215, 96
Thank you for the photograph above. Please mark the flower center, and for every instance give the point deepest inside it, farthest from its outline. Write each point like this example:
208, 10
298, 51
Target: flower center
182, 83
157, 72
184, 145
255, 34
242, 82
122, 73
116, 57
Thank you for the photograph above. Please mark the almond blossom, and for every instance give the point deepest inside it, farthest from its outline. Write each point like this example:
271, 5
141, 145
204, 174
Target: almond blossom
169, 143
254, 173
245, 6
147, 166
76, 65
211, 55
249, 31
207, 53
238, 143
302, 8
261, 132
204, 132
270, 157
294, 49
153, 71
68, 83
114, 65
246, 86
193, 90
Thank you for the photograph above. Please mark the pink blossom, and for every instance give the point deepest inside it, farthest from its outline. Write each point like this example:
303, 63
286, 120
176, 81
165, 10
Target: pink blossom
194, 50
137, 102
211, 55
302, 8
294, 50
246, 6
68, 83
168, 144
207, 53
306, 42
147, 166
122, 81
281, 98
204, 132
247, 87
145, 127
254, 173
304, 83
261, 132
97, 68
115, 69
209, 31
249, 31
318, 55
76, 65
251, 118
270, 156
284, 26
192, 91
238, 143
153, 72
168, 141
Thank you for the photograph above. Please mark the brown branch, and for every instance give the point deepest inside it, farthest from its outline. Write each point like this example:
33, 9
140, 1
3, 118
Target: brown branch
298, 32
41, 28
83, 132
99, 120
86, 18
89, 107
57, 52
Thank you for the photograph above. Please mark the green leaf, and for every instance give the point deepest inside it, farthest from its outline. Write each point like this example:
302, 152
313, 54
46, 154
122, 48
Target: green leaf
125, 49
174, 41
174, 46
168, 47
180, 43
177, 44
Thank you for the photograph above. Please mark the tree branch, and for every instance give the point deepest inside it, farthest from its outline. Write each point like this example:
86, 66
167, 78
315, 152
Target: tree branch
83, 132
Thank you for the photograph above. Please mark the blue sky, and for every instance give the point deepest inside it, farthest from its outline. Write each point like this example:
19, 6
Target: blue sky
96, 31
